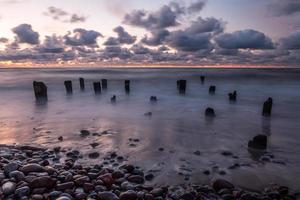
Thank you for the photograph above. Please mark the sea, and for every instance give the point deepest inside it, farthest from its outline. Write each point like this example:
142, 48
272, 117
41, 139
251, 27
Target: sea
177, 142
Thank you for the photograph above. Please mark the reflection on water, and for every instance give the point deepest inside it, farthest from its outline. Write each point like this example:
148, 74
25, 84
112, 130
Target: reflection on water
177, 123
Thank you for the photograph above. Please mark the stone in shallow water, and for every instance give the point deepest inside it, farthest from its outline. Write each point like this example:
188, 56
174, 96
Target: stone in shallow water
84, 133
94, 155
220, 184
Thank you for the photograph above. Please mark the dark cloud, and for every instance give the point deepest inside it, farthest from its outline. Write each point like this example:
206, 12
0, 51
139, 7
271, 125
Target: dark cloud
291, 42
123, 36
82, 37
111, 41
197, 6
139, 49
64, 16
111, 52
184, 41
284, 7
207, 25
157, 37
25, 34
245, 39
165, 17
52, 44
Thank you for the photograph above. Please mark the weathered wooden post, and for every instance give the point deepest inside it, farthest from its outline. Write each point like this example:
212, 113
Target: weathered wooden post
97, 87
127, 86
232, 96
104, 84
267, 107
81, 81
68, 86
212, 89
202, 78
40, 91
181, 85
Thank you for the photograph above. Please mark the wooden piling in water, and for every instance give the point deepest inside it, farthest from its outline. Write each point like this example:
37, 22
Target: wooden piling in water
212, 89
127, 86
181, 85
97, 87
202, 78
68, 86
81, 81
104, 84
267, 107
232, 96
40, 90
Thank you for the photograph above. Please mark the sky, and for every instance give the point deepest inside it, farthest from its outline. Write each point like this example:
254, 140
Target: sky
145, 33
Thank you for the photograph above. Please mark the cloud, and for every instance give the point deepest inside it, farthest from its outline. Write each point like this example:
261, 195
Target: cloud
123, 38
52, 44
184, 41
284, 7
64, 16
245, 39
82, 37
25, 34
207, 25
291, 42
196, 6
166, 16
157, 37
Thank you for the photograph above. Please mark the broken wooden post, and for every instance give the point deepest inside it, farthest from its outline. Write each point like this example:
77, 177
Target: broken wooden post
212, 89
97, 87
258, 142
81, 81
232, 96
104, 84
267, 108
181, 85
210, 112
40, 90
202, 78
68, 86
127, 86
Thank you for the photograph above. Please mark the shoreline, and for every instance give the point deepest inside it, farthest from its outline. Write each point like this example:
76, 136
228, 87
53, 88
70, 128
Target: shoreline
40, 173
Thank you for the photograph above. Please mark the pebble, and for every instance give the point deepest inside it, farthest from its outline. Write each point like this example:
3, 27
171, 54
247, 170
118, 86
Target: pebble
8, 188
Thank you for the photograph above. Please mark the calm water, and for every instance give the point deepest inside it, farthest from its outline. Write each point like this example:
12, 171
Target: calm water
178, 123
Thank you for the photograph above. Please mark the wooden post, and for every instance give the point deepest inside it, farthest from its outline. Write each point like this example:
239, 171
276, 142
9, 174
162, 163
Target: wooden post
210, 112
181, 84
97, 87
113, 99
232, 96
267, 107
68, 86
202, 78
40, 90
82, 86
127, 86
104, 84
212, 89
